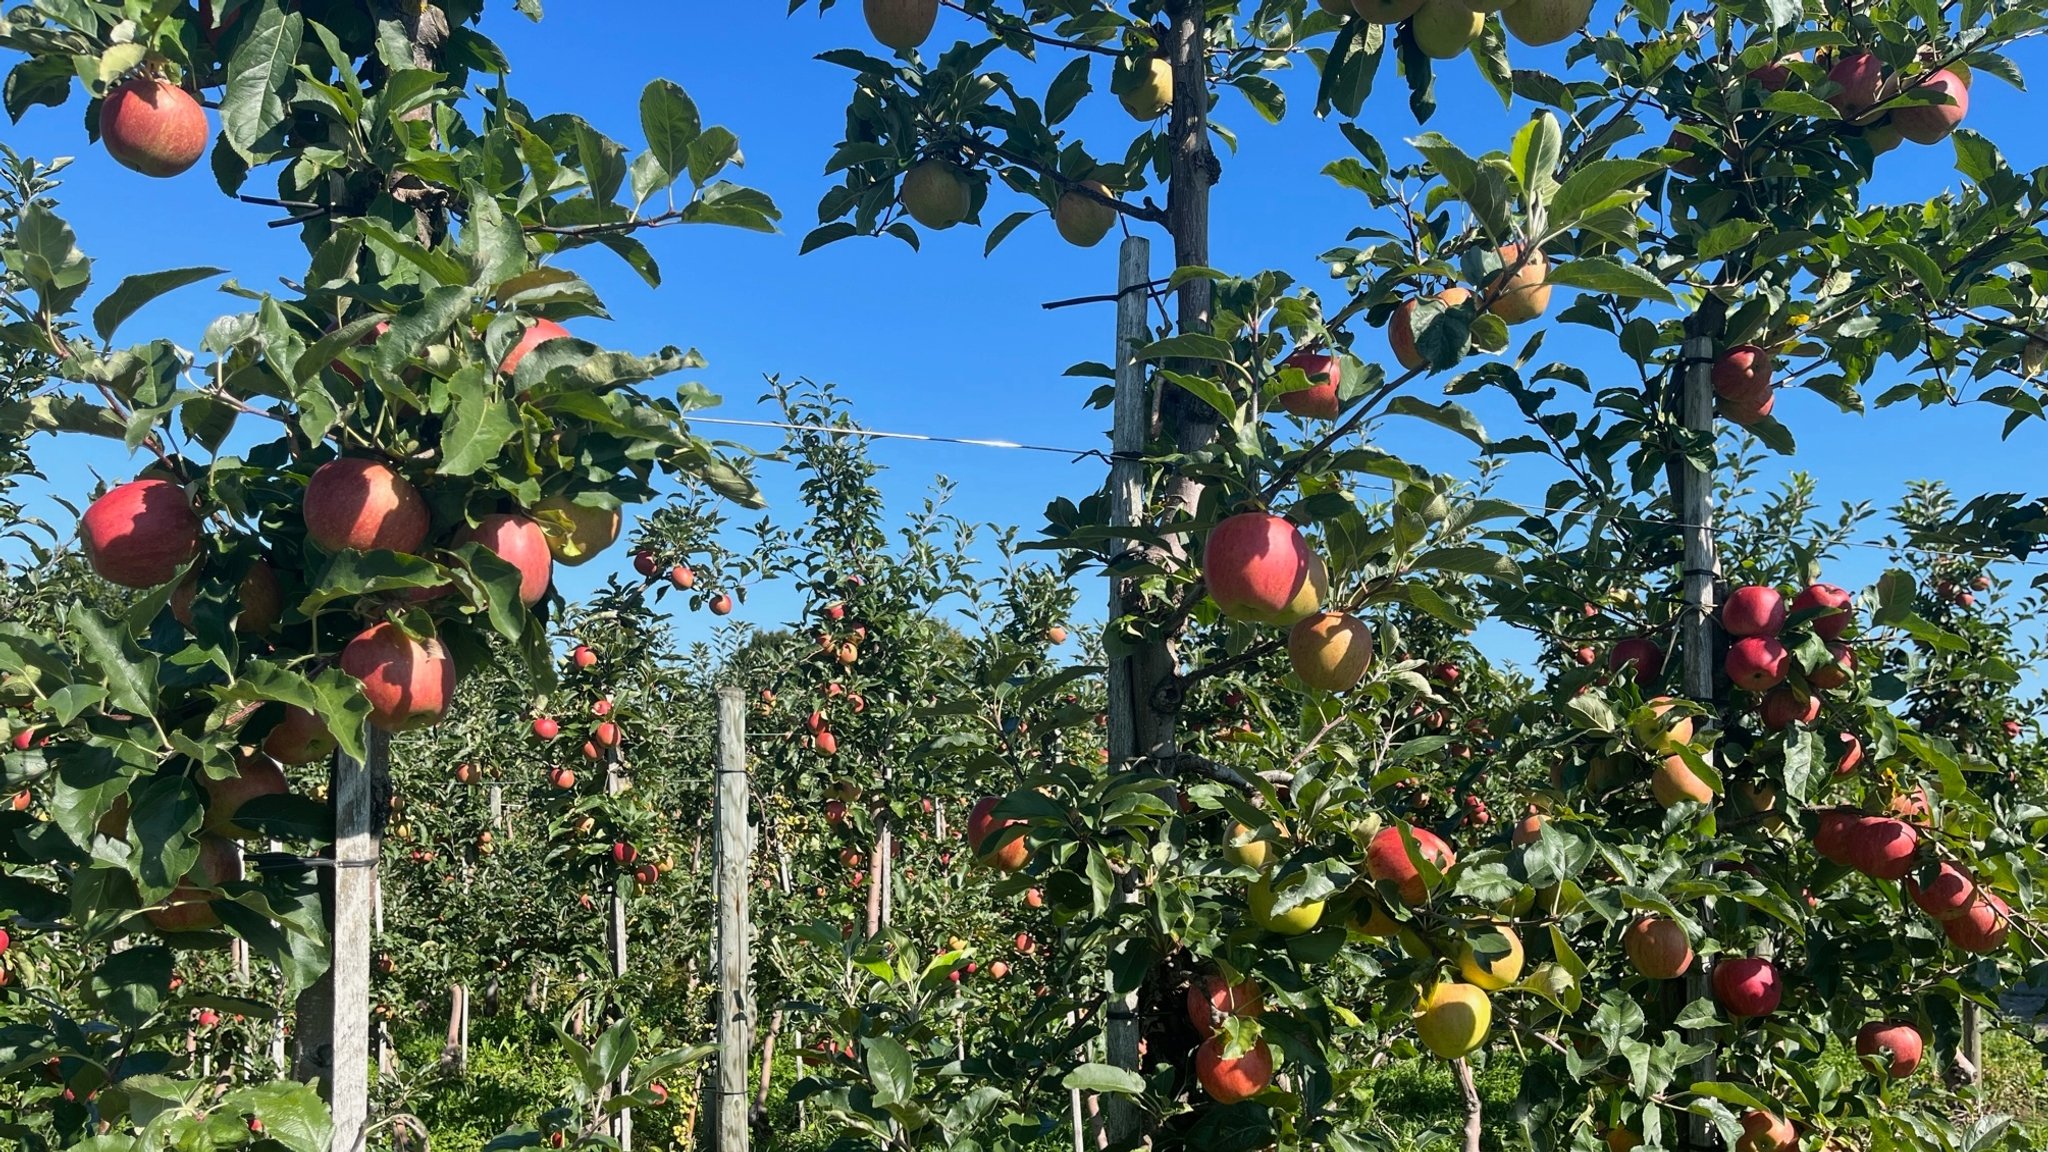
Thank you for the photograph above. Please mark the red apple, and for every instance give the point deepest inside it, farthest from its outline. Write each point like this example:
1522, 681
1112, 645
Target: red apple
1657, 947
1401, 327
409, 683
828, 743
538, 334
1643, 653
1858, 77
983, 827
254, 776
583, 657
1983, 925
1949, 895
1837, 673
1831, 834
1766, 1132
1754, 610
721, 605
153, 126
1259, 568
682, 577
546, 727
1786, 705
1757, 663
1931, 123
1895, 1043
1835, 616
139, 534
1386, 858
354, 503
1211, 998
188, 907
645, 564
1319, 401
1747, 986
300, 737
1743, 376
607, 735
259, 602
519, 541
1229, 1079
1881, 847
624, 854
1852, 754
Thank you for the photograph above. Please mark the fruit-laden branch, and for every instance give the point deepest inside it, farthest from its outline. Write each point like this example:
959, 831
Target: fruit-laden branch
1002, 27
1147, 211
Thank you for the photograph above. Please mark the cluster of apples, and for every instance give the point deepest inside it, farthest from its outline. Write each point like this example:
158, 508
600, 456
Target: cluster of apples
681, 577
1866, 93
1444, 29
1962, 591
1259, 569
1758, 661
1889, 847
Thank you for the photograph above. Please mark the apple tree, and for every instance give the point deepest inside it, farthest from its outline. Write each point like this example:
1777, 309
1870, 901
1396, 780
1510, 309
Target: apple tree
349, 493
1692, 192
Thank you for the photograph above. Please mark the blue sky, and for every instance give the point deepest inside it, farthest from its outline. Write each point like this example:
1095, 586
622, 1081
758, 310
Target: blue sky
945, 341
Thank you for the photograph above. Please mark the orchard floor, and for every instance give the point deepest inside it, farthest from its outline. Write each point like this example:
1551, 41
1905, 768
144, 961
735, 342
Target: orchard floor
515, 1071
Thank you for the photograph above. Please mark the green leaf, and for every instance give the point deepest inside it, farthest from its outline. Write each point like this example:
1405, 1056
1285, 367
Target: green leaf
254, 107
130, 985
480, 423
890, 1070
1601, 274
1592, 184
1188, 346
131, 677
1067, 90
1104, 1078
1454, 417
1535, 154
669, 119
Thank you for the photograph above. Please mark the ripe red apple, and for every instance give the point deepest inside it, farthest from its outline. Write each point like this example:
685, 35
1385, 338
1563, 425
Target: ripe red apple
409, 683
5, 940
1743, 376
1931, 123
1229, 1079
1211, 998
1386, 859
1657, 947
518, 540
983, 826
1786, 705
1754, 610
1025, 944
259, 601
1745, 414
153, 126
1836, 674
1766, 1132
998, 970
1858, 77
1747, 986
254, 776
1258, 568
645, 564
601, 708
721, 605
1319, 400
562, 778
1056, 635
188, 908
354, 503
536, 335
1034, 898
1401, 327
1834, 601
607, 735
1831, 834
835, 811
139, 534
1895, 1043
546, 727
624, 854
1641, 652
1757, 663
1852, 754
1983, 925
828, 743
1880, 846
590, 751
1773, 76
300, 737
583, 657
2012, 729
682, 577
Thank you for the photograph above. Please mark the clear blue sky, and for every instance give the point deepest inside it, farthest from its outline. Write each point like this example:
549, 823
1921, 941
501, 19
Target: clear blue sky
946, 341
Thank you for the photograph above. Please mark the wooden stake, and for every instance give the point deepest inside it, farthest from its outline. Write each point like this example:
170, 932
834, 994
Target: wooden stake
615, 783
1133, 674
1699, 633
735, 1000
334, 1014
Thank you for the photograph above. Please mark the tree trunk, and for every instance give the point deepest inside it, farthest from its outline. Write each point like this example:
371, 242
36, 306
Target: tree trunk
1475, 1120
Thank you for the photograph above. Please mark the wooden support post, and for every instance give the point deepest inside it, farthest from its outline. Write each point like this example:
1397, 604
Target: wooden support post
1970, 1052
1698, 631
1133, 673
735, 1008
334, 1014
498, 806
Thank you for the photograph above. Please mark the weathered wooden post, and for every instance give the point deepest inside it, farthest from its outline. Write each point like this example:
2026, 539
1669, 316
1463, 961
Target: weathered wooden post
1132, 675
735, 1009
334, 1014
